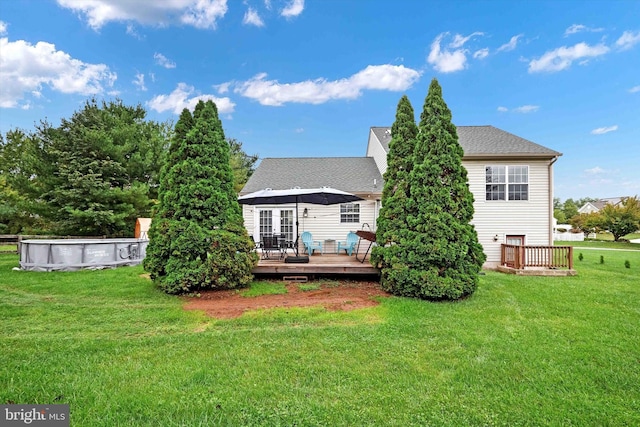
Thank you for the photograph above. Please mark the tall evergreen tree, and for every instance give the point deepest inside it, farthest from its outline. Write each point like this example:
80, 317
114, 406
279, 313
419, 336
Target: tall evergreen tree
438, 255
393, 213
97, 172
197, 236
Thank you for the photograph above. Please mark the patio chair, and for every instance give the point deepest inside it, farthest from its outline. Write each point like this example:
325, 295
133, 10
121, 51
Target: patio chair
309, 244
350, 245
271, 247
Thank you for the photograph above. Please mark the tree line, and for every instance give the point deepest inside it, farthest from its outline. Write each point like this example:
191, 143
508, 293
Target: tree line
91, 175
619, 219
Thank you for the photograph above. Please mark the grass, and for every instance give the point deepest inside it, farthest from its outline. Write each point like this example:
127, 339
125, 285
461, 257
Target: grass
599, 244
520, 351
8, 248
264, 288
608, 236
309, 287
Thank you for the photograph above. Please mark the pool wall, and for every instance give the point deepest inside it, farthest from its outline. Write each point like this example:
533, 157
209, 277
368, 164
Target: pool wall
76, 254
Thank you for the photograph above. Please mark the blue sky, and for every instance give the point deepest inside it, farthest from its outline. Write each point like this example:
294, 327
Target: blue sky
295, 78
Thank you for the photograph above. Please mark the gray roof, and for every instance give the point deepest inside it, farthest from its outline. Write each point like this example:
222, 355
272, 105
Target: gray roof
352, 174
484, 141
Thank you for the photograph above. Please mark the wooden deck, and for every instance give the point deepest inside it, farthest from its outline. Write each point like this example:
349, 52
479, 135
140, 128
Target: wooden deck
318, 264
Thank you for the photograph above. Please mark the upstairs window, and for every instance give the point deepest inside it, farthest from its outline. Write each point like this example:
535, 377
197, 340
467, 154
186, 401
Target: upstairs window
507, 182
349, 212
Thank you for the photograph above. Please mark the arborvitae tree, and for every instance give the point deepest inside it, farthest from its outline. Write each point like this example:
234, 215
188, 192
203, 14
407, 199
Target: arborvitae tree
197, 236
393, 214
438, 254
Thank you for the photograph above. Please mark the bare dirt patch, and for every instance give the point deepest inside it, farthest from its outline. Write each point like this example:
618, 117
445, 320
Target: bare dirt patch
343, 295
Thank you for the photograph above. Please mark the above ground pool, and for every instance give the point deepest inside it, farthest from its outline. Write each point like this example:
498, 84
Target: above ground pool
75, 254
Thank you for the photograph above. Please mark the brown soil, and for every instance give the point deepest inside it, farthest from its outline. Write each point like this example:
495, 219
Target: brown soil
343, 295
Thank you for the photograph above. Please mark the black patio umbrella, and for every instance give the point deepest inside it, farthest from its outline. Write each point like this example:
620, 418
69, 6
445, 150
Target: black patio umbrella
316, 196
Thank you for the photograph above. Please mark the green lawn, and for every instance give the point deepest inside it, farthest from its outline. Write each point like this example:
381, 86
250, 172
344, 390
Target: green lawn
520, 351
607, 244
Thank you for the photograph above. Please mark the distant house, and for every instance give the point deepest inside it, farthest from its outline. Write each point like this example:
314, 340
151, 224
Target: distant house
591, 207
510, 177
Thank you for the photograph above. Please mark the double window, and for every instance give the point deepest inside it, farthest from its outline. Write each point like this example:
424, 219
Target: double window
507, 182
349, 212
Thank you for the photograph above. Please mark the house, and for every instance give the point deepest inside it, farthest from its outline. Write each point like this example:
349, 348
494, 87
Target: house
510, 177
591, 207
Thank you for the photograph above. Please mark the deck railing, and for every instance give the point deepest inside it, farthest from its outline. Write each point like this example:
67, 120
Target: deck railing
519, 257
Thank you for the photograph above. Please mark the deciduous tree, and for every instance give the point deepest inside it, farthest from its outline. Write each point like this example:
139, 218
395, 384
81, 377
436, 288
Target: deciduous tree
621, 219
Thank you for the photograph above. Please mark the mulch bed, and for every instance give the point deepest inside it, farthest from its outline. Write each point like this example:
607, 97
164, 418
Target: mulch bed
343, 295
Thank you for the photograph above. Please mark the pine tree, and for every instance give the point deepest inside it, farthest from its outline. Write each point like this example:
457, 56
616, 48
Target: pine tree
97, 171
197, 236
438, 255
392, 217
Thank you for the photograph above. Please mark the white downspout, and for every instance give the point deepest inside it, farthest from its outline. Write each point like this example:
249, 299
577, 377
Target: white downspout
550, 226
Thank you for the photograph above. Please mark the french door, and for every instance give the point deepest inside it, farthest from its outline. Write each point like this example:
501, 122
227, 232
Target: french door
275, 221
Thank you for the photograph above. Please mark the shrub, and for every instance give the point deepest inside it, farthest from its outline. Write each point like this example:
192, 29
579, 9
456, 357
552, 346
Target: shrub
601, 259
580, 256
627, 264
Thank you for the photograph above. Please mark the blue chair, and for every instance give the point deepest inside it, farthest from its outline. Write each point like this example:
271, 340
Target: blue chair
350, 245
309, 244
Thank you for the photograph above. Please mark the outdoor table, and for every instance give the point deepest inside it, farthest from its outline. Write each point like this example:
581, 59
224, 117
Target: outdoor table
332, 242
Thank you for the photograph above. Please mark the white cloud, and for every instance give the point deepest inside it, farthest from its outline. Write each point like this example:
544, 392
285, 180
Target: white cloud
628, 39
299, 130
446, 61
222, 87
197, 13
562, 57
577, 28
481, 54
459, 41
182, 98
204, 13
603, 130
318, 91
527, 109
251, 17
153, 77
3, 28
513, 42
634, 89
25, 68
163, 60
139, 81
131, 30
267, 4
503, 109
595, 171
293, 9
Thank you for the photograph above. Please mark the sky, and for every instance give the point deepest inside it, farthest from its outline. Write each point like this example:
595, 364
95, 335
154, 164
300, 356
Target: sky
296, 78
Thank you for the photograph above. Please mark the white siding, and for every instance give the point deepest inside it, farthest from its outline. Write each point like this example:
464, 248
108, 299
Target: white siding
530, 218
322, 221
375, 150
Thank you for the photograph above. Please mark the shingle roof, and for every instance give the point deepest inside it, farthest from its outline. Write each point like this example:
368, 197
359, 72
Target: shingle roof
351, 174
484, 141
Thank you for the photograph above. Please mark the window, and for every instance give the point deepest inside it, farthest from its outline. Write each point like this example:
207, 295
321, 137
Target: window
507, 182
350, 212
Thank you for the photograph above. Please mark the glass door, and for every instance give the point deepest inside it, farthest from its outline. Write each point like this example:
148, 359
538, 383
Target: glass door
276, 222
